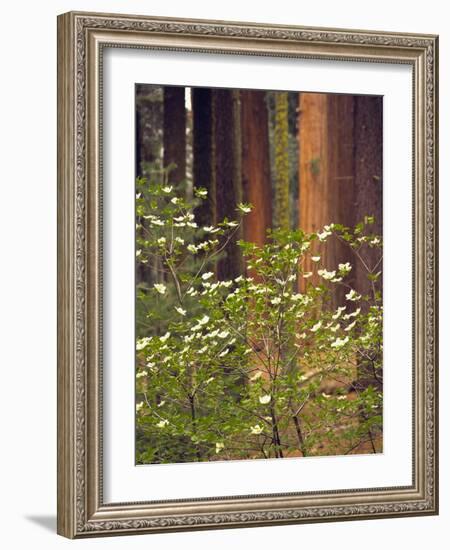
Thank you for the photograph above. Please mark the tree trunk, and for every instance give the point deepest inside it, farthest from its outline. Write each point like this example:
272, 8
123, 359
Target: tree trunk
340, 144
369, 179
203, 150
326, 194
282, 215
227, 175
369, 202
174, 133
256, 183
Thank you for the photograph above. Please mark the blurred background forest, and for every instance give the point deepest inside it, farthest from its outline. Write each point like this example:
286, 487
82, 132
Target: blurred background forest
303, 160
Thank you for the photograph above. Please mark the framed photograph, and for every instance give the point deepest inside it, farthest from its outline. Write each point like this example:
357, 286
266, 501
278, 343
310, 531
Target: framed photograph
247, 287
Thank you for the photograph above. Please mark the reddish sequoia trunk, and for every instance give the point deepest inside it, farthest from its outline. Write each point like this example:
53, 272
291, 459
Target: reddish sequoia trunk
326, 172
340, 144
256, 184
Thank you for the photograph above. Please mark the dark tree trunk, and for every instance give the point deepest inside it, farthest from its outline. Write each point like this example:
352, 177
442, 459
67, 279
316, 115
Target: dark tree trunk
340, 145
341, 170
256, 183
227, 174
369, 178
174, 133
203, 150
369, 202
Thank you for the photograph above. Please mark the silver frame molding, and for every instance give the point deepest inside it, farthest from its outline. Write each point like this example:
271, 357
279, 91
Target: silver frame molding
81, 39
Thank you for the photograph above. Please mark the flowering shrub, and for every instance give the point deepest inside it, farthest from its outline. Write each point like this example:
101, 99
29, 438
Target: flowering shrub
252, 367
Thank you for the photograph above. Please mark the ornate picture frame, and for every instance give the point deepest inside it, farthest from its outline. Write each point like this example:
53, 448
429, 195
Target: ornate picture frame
82, 38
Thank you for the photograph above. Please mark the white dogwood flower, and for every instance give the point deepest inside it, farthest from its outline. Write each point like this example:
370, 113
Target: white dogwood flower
353, 295
345, 268
350, 326
339, 342
323, 236
354, 314
245, 208
338, 312
256, 429
142, 343
327, 275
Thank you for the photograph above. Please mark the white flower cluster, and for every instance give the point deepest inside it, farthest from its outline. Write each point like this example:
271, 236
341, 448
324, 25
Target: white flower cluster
154, 220
200, 323
353, 296
187, 220
256, 430
211, 229
327, 231
338, 312
344, 268
244, 208
327, 275
339, 342
142, 343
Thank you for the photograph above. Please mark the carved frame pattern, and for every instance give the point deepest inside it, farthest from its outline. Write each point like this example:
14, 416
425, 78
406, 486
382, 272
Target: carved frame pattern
81, 37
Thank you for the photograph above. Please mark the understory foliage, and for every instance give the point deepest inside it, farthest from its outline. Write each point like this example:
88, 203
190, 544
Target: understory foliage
251, 367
